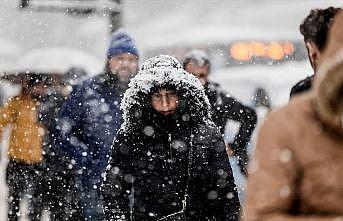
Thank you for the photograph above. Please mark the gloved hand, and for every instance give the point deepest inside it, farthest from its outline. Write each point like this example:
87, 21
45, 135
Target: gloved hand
241, 156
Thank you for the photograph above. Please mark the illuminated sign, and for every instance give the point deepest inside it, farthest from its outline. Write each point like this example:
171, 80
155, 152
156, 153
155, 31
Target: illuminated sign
245, 51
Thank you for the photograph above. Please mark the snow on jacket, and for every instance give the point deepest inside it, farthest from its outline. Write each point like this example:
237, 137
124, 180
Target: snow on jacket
54, 164
226, 107
297, 173
88, 122
26, 133
151, 153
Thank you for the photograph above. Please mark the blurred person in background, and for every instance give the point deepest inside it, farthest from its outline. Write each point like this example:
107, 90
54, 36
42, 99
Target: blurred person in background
224, 106
315, 29
25, 147
89, 119
57, 186
262, 105
296, 173
168, 150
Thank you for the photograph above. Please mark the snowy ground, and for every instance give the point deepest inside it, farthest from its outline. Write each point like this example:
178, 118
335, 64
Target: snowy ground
155, 24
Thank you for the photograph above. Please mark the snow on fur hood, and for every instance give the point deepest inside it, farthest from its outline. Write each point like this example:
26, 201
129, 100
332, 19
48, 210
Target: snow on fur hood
159, 72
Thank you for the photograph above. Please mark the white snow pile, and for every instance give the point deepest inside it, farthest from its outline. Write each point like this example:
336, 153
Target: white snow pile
160, 71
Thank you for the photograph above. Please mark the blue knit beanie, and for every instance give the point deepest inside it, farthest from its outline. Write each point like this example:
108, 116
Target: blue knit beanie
121, 43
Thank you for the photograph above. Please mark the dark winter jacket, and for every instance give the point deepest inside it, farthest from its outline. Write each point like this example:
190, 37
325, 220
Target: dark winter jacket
224, 108
154, 154
302, 86
57, 175
49, 106
88, 122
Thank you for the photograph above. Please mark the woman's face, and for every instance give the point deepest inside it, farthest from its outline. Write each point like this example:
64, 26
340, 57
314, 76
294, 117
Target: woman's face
165, 101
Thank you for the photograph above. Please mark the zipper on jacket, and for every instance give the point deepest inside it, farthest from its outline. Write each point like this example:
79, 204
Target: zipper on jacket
170, 147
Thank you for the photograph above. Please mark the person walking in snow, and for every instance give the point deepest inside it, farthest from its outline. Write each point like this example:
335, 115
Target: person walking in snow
315, 29
168, 151
25, 147
90, 118
297, 173
224, 106
57, 188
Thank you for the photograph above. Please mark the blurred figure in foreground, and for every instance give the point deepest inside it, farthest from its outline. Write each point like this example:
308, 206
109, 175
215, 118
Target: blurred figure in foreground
57, 186
315, 29
168, 151
297, 173
224, 106
89, 119
25, 147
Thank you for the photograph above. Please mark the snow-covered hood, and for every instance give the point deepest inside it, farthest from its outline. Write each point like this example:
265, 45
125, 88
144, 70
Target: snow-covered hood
158, 72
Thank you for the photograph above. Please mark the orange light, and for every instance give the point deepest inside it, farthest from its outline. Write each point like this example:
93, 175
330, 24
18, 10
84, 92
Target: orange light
258, 48
288, 48
241, 51
275, 51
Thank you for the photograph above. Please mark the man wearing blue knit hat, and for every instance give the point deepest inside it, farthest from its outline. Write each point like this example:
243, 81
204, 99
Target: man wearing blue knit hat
89, 119
122, 56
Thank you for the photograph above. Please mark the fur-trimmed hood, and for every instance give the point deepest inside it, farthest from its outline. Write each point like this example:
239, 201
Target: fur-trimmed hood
328, 92
163, 72
328, 83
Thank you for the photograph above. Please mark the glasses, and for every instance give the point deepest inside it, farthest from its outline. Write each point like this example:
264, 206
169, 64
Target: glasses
167, 96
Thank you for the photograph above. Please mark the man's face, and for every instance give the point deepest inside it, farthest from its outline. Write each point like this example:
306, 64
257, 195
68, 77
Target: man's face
165, 101
124, 65
199, 71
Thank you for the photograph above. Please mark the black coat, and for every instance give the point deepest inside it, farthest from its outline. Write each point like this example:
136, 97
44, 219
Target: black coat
154, 157
302, 86
226, 107
158, 167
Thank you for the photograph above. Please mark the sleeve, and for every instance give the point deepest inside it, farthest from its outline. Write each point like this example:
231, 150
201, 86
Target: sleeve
7, 114
226, 206
273, 177
217, 193
246, 116
117, 184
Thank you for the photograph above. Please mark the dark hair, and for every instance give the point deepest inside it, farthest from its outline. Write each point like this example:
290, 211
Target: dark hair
316, 26
33, 79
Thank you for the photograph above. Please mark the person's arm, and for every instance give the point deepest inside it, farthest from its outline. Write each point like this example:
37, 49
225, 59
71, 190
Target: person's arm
274, 175
226, 206
117, 183
212, 189
246, 116
7, 114
69, 125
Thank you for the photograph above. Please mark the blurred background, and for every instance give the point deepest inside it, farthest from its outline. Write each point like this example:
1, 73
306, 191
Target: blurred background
253, 44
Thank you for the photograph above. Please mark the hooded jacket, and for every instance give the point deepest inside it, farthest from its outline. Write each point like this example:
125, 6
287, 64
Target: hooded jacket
156, 158
297, 173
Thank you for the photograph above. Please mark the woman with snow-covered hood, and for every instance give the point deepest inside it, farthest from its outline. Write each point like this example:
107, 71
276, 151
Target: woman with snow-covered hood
168, 150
